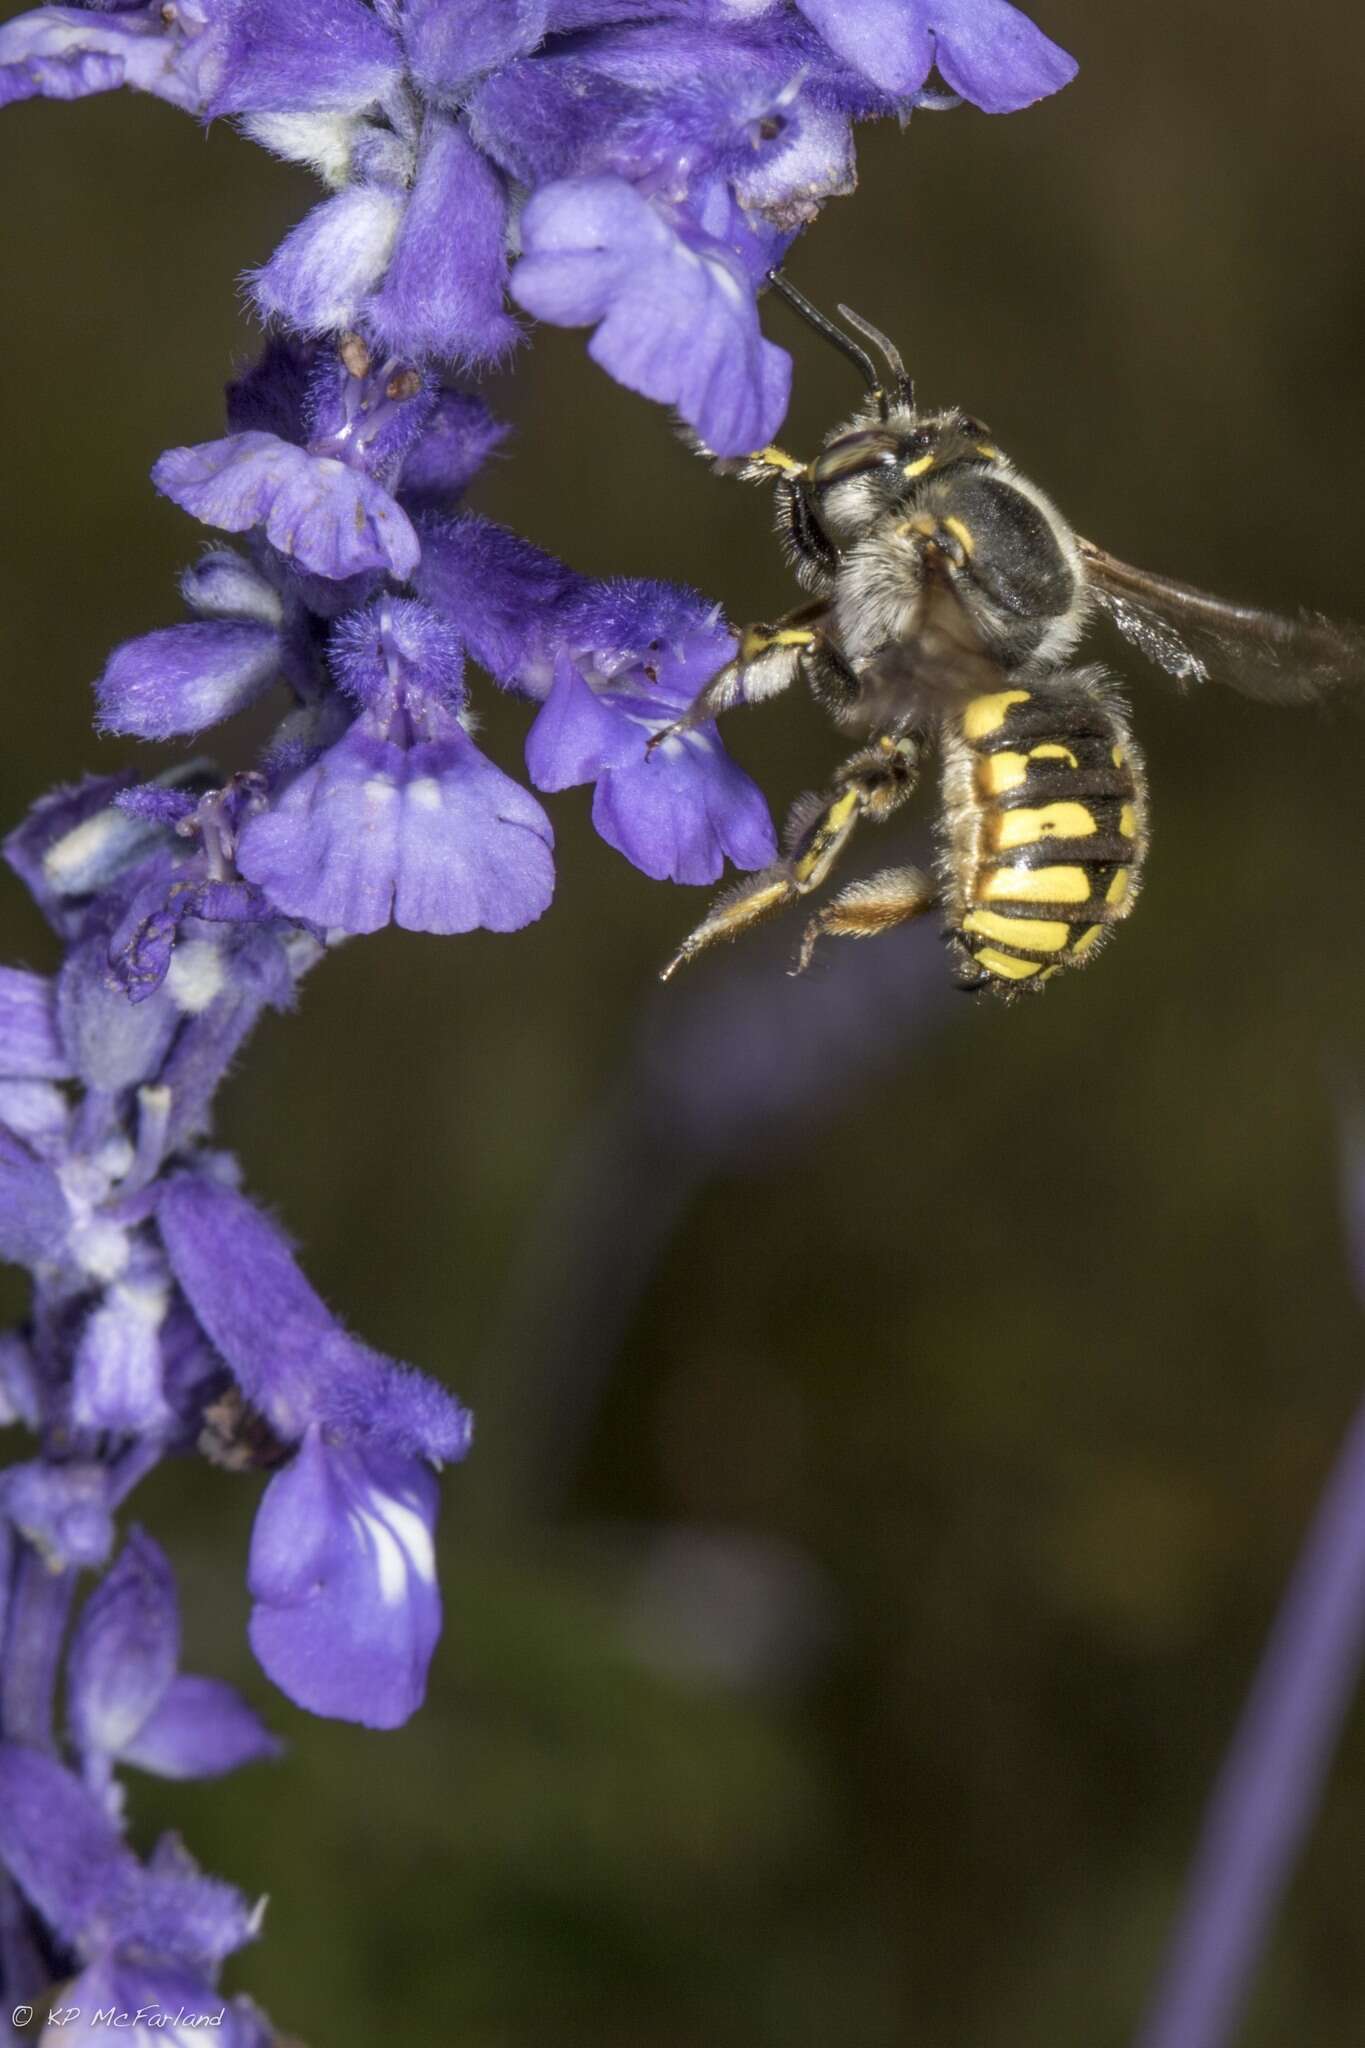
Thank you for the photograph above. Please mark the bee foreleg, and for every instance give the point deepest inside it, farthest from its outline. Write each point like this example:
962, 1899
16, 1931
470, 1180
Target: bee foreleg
765, 665
863, 909
872, 784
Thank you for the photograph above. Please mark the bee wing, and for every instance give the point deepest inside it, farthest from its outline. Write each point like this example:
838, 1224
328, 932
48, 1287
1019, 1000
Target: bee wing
1198, 638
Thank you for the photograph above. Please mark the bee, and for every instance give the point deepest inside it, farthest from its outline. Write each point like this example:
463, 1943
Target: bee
949, 596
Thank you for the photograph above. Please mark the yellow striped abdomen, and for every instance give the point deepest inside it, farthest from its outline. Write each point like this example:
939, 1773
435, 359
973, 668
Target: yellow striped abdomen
1045, 798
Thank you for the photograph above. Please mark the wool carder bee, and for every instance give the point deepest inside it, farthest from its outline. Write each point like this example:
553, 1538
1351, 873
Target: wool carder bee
948, 597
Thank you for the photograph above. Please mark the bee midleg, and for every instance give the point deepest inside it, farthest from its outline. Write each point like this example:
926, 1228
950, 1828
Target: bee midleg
830, 677
766, 664
862, 910
871, 785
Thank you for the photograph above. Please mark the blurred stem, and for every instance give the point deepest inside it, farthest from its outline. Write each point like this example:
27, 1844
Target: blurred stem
1270, 1784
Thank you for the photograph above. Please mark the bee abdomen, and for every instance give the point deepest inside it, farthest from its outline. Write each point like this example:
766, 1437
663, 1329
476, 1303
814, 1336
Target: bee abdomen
1058, 832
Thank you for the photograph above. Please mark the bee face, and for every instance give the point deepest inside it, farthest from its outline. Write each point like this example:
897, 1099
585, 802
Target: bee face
870, 466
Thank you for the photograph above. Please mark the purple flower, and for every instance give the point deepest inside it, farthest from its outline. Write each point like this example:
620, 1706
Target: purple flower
173, 52
159, 1930
984, 49
292, 1360
314, 508
343, 1574
126, 1701
402, 817
672, 305
633, 657
347, 1611
667, 156
611, 664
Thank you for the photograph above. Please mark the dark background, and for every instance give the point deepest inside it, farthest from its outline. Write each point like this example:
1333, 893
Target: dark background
881, 1495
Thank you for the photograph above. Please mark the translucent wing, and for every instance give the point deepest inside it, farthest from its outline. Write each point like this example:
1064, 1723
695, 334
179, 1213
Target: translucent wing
1198, 638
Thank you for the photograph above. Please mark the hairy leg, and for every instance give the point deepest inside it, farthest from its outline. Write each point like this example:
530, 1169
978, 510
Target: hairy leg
875, 782
863, 909
768, 659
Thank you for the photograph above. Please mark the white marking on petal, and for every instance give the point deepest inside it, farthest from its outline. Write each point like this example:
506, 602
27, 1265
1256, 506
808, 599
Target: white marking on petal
380, 789
147, 1300
425, 792
75, 863
401, 1543
321, 140
100, 1249
195, 976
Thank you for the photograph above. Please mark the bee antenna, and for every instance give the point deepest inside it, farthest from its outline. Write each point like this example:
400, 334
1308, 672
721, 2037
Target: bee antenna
843, 342
905, 384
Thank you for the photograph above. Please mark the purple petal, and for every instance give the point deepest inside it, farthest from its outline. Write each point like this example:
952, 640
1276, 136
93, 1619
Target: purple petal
60, 1846
813, 162
75, 842
117, 1381
454, 445
115, 1984
498, 589
200, 1729
442, 293
995, 56
677, 322
888, 41
183, 678
33, 1212
174, 55
451, 42
223, 586
577, 734
285, 58
343, 1573
433, 836
72, 77
125, 1648
30, 1048
20, 1387
318, 277
64, 1510
474, 847
287, 1352
326, 517
112, 1042
678, 814
180, 1914
394, 650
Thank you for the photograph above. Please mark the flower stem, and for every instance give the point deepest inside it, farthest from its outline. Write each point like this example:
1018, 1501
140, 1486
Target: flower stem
1268, 1790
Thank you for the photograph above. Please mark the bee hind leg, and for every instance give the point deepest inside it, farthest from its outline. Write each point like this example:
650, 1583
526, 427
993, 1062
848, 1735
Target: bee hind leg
872, 784
864, 909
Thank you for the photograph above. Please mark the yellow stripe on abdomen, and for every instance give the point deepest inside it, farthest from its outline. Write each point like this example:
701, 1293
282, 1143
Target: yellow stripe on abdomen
1038, 934
1005, 966
985, 715
1036, 885
1050, 821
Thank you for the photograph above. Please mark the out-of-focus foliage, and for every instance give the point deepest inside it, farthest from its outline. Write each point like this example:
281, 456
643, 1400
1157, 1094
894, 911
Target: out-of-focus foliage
1023, 1374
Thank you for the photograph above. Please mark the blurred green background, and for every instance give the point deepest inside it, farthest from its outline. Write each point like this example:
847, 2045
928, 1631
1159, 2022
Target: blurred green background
876, 1514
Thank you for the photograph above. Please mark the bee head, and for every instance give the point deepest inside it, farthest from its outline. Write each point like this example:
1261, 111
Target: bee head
872, 463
